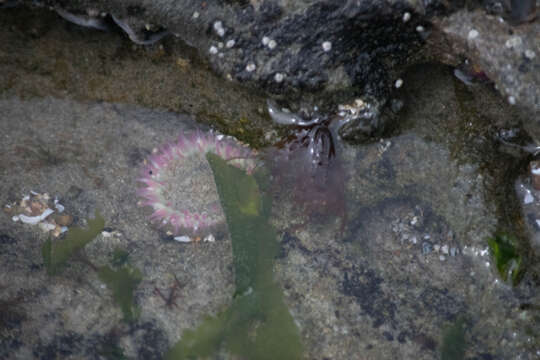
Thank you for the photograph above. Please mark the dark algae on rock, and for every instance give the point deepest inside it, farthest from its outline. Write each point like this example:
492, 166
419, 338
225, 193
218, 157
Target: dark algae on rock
257, 325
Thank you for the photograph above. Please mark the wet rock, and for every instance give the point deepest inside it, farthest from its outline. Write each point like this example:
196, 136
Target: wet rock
505, 52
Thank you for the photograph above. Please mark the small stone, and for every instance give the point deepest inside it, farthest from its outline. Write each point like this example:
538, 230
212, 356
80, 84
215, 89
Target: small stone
327, 46
406, 17
473, 34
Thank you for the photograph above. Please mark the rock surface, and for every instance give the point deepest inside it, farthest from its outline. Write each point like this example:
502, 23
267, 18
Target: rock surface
329, 52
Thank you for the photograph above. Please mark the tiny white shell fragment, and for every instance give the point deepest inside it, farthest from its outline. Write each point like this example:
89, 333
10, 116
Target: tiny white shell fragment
45, 226
35, 219
59, 207
209, 238
398, 83
184, 239
63, 229
106, 234
15, 218
33, 192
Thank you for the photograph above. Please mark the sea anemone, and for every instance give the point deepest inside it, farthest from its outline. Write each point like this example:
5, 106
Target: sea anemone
178, 185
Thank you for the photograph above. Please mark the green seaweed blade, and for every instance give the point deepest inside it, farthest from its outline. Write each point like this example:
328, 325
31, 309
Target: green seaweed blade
57, 253
258, 325
122, 283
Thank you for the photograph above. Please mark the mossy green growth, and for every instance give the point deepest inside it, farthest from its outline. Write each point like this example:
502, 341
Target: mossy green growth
506, 257
122, 282
453, 341
57, 253
257, 325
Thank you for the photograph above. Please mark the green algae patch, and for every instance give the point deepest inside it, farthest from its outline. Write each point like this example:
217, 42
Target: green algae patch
453, 341
257, 325
507, 259
57, 253
122, 282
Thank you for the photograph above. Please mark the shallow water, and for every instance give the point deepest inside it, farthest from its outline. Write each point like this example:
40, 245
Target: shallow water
390, 261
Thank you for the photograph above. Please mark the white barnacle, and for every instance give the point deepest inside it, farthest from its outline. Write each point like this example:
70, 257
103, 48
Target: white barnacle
327, 46
278, 77
250, 67
406, 16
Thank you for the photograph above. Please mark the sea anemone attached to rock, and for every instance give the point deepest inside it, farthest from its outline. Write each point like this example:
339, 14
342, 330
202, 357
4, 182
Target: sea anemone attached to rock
178, 185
